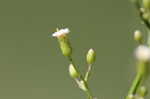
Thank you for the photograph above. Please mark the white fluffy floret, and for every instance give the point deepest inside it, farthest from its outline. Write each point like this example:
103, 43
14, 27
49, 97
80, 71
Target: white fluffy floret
61, 32
142, 53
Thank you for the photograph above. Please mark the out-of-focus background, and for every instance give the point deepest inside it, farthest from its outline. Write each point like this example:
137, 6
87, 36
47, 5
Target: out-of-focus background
31, 64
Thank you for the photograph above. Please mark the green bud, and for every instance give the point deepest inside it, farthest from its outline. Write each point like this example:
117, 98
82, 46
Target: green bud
142, 91
91, 56
73, 72
146, 16
138, 36
65, 46
146, 4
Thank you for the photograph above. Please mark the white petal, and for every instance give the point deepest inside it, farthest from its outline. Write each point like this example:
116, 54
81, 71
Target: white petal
61, 32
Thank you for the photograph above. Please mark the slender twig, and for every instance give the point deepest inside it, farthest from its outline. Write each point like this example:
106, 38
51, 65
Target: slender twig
87, 75
136, 83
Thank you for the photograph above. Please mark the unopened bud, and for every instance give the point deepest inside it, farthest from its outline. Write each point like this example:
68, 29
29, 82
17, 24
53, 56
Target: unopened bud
138, 36
146, 16
146, 4
73, 72
142, 91
91, 56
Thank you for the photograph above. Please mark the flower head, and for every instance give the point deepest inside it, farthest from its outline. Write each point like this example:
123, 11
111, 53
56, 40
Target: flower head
91, 56
138, 36
63, 41
142, 53
61, 32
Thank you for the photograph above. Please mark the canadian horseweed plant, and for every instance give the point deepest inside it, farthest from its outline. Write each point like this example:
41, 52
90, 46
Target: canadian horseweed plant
142, 54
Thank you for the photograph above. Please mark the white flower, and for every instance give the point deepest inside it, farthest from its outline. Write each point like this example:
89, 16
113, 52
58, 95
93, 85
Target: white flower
142, 53
61, 32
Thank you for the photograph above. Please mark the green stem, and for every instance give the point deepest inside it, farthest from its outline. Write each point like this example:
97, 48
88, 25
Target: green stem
135, 85
140, 77
87, 75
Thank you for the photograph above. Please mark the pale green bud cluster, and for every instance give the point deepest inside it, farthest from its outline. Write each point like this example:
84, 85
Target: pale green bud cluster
91, 56
65, 46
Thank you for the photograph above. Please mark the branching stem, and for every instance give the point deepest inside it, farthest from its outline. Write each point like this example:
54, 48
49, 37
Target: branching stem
88, 92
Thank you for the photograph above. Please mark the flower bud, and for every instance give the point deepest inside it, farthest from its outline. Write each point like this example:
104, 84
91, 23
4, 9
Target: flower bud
73, 72
138, 36
63, 40
142, 91
91, 56
146, 4
146, 16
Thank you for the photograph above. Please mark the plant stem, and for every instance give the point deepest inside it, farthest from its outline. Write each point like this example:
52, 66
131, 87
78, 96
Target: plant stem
87, 75
135, 85
138, 79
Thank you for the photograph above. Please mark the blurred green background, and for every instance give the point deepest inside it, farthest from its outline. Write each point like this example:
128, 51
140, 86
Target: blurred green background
31, 64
